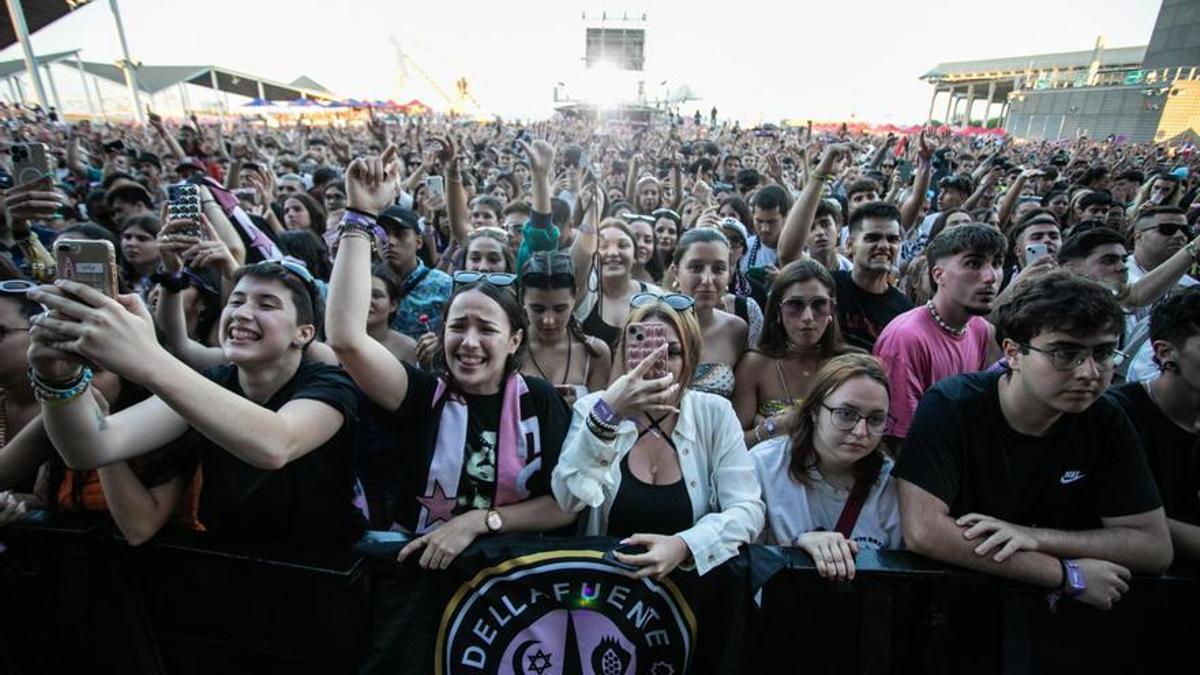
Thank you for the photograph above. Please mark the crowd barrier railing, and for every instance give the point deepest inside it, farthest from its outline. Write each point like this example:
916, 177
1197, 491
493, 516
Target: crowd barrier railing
73, 595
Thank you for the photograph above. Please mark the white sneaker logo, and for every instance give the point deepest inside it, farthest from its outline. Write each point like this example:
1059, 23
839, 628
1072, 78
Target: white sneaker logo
1071, 477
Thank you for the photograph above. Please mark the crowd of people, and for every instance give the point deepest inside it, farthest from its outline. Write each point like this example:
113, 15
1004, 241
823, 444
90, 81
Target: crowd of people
686, 335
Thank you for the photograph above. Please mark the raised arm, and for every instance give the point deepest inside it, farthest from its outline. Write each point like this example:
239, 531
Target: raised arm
1163, 278
583, 250
457, 209
799, 220
169, 311
912, 206
156, 122
371, 186
1009, 202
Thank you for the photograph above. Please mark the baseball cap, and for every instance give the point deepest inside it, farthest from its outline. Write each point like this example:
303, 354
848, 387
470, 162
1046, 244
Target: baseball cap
395, 218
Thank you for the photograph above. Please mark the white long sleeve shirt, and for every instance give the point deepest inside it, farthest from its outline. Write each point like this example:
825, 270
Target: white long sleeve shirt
727, 507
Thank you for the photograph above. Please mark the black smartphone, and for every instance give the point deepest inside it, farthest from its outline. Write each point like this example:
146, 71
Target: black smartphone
611, 557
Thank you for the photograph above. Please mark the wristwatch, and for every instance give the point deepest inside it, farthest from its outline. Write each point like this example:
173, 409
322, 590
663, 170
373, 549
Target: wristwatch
493, 521
605, 413
1074, 582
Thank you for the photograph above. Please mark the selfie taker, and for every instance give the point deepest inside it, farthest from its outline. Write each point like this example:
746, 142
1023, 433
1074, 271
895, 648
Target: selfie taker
647, 453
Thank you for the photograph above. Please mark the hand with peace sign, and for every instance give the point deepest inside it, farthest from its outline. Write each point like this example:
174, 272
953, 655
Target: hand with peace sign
371, 182
633, 393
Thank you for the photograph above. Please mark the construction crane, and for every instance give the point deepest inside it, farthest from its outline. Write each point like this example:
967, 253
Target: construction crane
457, 105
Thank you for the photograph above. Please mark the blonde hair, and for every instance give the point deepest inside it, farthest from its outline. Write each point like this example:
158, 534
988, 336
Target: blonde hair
685, 326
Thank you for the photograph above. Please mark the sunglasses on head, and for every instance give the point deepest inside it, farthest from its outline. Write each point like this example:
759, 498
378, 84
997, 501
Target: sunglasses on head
634, 217
794, 307
296, 267
676, 301
499, 279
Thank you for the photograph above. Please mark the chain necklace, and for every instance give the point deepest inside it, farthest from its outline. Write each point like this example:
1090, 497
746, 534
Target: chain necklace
566, 373
957, 332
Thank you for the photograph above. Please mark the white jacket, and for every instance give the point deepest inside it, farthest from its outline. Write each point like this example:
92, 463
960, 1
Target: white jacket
727, 507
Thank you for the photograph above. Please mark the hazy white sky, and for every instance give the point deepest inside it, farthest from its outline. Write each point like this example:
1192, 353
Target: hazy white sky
757, 60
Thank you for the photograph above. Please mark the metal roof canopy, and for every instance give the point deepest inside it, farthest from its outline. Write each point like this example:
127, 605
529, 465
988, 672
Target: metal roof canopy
1014, 65
10, 68
153, 79
38, 15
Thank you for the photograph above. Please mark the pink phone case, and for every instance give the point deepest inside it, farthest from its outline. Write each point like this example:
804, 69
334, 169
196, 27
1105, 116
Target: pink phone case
641, 340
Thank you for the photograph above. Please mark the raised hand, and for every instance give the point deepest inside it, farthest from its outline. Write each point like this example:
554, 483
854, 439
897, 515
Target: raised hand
540, 155
371, 183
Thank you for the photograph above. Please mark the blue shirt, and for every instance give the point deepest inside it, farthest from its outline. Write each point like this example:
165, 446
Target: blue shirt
424, 292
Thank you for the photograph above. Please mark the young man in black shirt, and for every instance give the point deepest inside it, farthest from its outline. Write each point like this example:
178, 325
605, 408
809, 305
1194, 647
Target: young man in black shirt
1166, 414
866, 302
1030, 474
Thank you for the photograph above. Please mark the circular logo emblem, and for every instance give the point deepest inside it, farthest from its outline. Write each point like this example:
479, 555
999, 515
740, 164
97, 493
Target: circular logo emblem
565, 612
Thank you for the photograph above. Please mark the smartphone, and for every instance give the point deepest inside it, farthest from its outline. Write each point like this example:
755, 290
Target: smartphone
436, 186
184, 204
641, 340
249, 195
114, 147
610, 556
91, 262
1034, 252
904, 170
31, 162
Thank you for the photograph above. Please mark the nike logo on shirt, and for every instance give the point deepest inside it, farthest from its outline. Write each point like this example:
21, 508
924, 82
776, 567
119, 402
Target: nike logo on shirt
1071, 477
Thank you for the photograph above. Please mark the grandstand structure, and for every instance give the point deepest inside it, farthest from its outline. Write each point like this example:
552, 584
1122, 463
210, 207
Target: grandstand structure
1141, 93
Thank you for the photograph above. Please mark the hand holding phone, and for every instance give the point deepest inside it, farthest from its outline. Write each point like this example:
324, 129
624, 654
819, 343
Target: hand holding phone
184, 204
89, 262
643, 340
31, 162
1035, 251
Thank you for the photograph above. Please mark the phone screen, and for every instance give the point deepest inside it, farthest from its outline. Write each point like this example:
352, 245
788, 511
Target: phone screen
641, 340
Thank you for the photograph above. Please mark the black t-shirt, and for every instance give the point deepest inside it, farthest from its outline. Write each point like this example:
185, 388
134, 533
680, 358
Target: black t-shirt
961, 449
862, 315
309, 502
1172, 452
544, 420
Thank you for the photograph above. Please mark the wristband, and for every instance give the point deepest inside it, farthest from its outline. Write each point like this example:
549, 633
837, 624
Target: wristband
172, 282
605, 414
355, 221
51, 395
364, 214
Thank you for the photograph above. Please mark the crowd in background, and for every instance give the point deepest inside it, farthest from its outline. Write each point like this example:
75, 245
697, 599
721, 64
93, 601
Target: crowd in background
685, 334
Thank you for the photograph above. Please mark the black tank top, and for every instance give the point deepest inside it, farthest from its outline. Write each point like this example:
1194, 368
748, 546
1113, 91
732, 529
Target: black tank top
595, 326
643, 508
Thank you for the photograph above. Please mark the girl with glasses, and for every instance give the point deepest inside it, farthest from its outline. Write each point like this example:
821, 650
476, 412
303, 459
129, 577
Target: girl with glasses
800, 334
662, 466
828, 487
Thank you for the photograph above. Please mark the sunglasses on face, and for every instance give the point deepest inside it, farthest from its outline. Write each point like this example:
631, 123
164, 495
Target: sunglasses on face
794, 307
1169, 229
676, 301
499, 279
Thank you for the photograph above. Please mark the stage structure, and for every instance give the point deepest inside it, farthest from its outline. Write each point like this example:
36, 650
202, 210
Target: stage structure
614, 82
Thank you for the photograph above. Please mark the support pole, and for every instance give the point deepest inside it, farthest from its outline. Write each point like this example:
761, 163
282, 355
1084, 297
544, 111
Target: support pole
212, 77
53, 88
12, 89
128, 64
17, 14
949, 105
261, 94
987, 111
970, 104
932, 100
83, 79
183, 97
100, 98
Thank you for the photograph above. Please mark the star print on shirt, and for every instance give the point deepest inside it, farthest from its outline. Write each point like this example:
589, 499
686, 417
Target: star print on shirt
437, 506
539, 662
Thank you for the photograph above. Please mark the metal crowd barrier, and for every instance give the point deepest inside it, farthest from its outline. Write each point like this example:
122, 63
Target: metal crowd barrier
74, 595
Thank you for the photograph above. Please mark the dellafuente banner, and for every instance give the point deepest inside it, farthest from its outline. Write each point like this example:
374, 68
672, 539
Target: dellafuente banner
553, 606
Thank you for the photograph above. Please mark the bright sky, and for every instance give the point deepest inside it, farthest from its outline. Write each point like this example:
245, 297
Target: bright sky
756, 60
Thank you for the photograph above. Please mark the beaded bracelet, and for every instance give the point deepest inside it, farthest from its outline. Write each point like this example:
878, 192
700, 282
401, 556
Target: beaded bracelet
599, 429
354, 221
56, 396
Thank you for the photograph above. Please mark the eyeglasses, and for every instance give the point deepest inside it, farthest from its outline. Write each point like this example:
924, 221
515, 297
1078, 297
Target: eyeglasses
494, 278
1169, 229
1106, 357
17, 286
676, 301
846, 419
794, 307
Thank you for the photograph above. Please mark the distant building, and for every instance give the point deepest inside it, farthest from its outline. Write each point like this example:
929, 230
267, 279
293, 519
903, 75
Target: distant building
1143, 93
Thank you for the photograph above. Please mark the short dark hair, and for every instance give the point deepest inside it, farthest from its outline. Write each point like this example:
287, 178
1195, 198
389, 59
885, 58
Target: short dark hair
772, 197
1080, 246
878, 210
1176, 318
517, 207
972, 237
1094, 198
1038, 216
1151, 211
1132, 175
831, 208
863, 185
307, 300
391, 283
741, 208
1058, 301
560, 211
307, 247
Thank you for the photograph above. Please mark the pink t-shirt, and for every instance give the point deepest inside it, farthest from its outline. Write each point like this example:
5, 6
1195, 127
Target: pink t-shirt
917, 354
